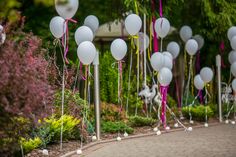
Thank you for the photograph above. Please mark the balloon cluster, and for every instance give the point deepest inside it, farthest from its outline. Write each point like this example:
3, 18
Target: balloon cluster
232, 55
2, 35
205, 76
84, 35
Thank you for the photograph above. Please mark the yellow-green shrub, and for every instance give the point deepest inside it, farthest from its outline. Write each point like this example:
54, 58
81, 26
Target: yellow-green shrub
30, 144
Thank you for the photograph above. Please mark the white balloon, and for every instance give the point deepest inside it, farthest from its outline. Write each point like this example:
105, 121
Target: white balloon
157, 61
141, 41
198, 82
162, 27
231, 32
173, 48
185, 33
67, 9
165, 76
82, 34
191, 47
168, 62
233, 42
234, 85
133, 24
57, 25
206, 74
200, 40
92, 22
86, 52
166, 53
233, 69
232, 57
118, 49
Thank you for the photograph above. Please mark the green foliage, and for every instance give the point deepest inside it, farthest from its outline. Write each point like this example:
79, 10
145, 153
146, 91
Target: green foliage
45, 134
30, 144
73, 103
198, 112
171, 102
111, 112
114, 127
138, 121
70, 127
109, 78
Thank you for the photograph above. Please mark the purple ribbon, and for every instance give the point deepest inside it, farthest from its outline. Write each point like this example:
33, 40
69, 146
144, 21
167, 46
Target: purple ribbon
160, 8
163, 90
155, 40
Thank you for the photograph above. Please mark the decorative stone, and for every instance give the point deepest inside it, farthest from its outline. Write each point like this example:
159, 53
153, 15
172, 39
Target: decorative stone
126, 134
118, 138
155, 129
176, 125
45, 152
79, 152
158, 132
94, 138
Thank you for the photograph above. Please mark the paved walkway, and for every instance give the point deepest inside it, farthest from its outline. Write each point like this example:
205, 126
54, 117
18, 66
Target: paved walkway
215, 141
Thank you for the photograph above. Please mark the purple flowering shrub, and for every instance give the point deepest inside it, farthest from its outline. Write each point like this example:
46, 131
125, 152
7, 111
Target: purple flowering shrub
26, 87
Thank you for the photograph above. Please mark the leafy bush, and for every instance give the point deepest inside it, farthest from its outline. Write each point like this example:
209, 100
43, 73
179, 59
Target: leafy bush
171, 102
198, 112
73, 103
137, 121
69, 127
110, 112
25, 87
31, 144
114, 127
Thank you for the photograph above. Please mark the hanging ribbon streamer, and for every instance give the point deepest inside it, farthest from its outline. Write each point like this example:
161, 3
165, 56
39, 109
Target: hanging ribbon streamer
65, 38
189, 79
155, 40
163, 90
206, 101
128, 94
190, 105
175, 118
177, 87
222, 50
160, 2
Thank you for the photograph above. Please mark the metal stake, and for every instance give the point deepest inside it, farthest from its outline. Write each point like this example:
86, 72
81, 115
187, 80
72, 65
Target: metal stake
218, 64
97, 96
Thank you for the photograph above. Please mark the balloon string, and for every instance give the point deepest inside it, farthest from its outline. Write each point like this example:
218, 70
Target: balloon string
177, 88
128, 94
190, 106
186, 64
189, 79
160, 8
192, 81
81, 72
150, 45
65, 38
120, 86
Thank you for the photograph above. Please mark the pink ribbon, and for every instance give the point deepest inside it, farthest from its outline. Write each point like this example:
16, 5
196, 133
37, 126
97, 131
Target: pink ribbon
160, 8
155, 40
66, 34
163, 90
222, 48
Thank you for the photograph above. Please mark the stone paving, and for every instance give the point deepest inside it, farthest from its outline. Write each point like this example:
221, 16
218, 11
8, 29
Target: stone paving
215, 141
